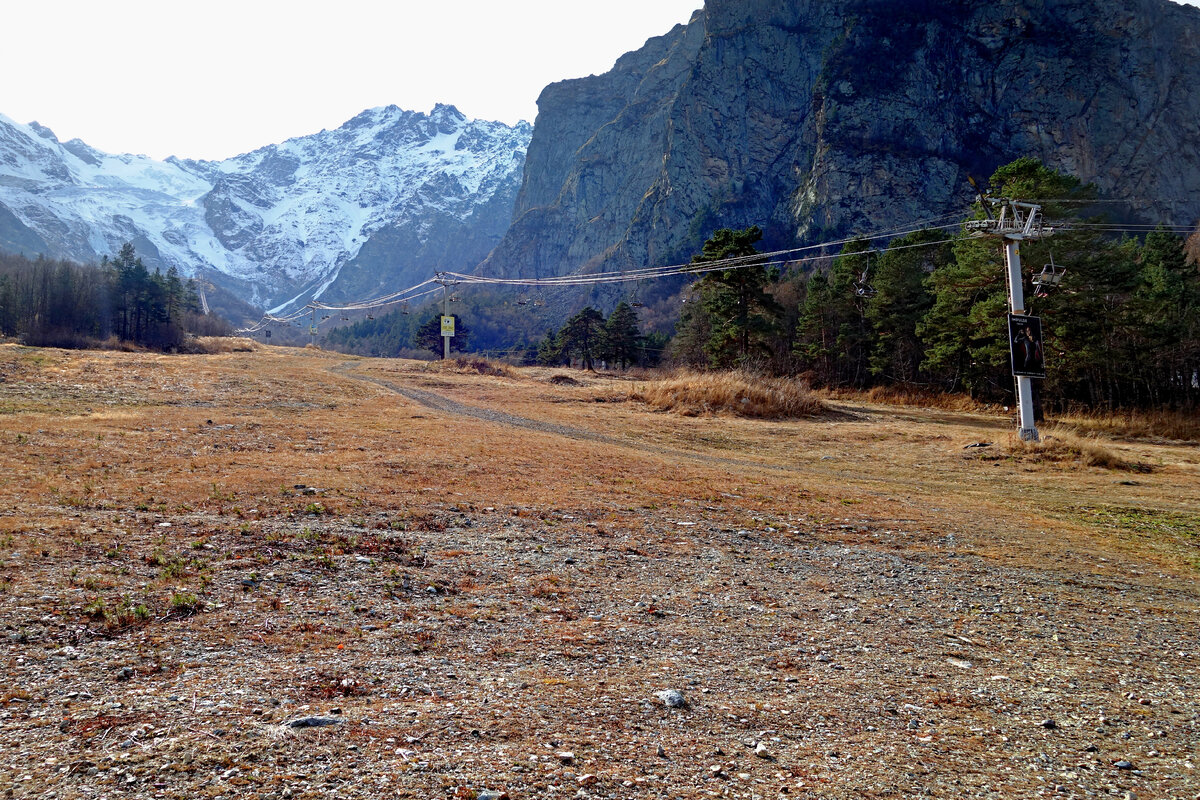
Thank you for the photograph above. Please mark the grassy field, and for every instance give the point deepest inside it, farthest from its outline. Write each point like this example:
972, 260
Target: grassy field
481, 576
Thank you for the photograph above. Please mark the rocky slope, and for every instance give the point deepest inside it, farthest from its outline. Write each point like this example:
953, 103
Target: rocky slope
378, 203
818, 120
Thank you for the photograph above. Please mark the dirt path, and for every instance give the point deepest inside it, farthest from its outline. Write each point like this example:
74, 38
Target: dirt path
437, 402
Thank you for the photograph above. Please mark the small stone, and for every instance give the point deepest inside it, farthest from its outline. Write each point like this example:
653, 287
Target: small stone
673, 698
1123, 764
823, 658
312, 722
125, 674
565, 756
761, 751
662, 753
586, 780
1049, 724
491, 794
1091, 748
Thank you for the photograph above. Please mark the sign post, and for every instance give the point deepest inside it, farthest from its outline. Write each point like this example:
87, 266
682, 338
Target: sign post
447, 332
445, 281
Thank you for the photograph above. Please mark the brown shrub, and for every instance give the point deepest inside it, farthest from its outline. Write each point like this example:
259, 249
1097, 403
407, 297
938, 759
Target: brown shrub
902, 395
480, 366
1059, 444
211, 345
740, 393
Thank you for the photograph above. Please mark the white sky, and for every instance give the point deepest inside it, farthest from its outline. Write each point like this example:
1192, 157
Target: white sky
217, 78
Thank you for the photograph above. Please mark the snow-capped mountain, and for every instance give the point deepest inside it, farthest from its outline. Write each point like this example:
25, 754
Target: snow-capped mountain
377, 204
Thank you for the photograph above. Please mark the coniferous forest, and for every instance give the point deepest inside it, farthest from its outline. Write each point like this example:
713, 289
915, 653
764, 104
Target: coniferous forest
1122, 330
926, 312
63, 304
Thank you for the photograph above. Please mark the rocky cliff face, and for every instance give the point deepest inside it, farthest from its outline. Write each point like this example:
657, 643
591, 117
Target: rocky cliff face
377, 204
818, 120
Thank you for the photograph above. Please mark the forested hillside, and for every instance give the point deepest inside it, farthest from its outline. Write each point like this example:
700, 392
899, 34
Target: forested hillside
64, 304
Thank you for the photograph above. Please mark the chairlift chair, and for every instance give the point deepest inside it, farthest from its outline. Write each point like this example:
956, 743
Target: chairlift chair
861, 287
1050, 276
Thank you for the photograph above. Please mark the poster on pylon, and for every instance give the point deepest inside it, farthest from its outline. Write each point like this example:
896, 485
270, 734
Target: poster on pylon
1025, 346
447, 325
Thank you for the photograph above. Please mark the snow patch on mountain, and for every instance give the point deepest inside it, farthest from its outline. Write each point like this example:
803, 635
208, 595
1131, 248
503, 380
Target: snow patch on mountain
278, 223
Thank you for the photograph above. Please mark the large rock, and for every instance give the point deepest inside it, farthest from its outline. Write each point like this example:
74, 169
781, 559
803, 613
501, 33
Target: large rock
817, 120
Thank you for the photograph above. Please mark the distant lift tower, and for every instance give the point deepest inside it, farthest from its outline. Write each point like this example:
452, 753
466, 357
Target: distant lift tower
1017, 221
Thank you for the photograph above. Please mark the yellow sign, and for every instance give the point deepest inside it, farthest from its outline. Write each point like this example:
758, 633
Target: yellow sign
447, 326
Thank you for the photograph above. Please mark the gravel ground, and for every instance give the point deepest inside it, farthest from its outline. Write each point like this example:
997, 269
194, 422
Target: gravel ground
453, 649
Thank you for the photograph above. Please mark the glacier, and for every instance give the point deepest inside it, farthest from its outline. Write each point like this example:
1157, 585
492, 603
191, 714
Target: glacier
283, 224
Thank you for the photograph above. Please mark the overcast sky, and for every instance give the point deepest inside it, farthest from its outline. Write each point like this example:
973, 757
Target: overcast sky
222, 77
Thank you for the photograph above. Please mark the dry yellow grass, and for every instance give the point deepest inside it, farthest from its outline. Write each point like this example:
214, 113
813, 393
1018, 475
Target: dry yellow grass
1182, 426
1059, 444
212, 345
914, 396
477, 568
740, 393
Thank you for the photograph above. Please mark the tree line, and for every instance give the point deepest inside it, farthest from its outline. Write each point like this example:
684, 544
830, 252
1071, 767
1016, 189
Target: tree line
1121, 331
55, 303
589, 337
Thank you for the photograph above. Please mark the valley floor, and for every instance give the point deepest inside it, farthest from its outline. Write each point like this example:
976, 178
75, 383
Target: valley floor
483, 582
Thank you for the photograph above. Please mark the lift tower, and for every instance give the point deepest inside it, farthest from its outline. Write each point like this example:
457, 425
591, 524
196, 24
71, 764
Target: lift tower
1017, 221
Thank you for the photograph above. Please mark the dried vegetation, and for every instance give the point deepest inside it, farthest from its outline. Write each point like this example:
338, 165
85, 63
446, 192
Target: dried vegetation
484, 581
741, 393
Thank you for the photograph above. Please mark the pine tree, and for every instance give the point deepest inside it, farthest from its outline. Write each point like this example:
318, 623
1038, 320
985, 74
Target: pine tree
743, 317
833, 338
549, 351
901, 300
429, 335
621, 335
815, 330
1166, 309
965, 331
583, 336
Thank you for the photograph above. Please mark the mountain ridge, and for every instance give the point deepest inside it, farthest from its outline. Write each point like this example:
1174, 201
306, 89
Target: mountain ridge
281, 224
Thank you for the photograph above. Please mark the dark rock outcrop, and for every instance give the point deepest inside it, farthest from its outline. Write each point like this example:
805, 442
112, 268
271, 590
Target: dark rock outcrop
820, 120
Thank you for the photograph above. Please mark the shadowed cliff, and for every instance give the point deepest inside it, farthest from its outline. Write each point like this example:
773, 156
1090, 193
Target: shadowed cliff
818, 120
